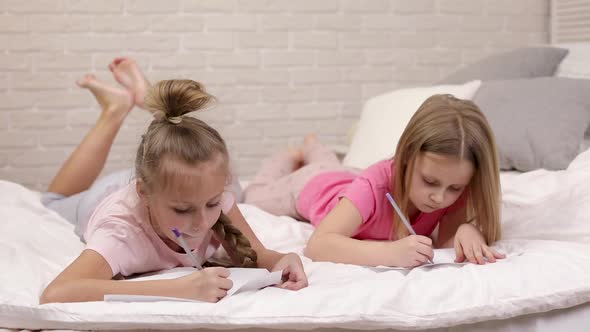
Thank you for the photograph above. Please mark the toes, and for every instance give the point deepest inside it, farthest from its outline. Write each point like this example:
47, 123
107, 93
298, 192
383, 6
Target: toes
86, 80
309, 138
120, 59
117, 62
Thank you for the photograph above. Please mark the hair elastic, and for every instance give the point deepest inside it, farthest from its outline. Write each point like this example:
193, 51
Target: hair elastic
174, 119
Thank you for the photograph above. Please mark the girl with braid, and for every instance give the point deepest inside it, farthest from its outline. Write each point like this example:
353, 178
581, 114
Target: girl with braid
181, 182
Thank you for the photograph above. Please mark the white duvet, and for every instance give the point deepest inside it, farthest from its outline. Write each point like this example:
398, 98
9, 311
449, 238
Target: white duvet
546, 216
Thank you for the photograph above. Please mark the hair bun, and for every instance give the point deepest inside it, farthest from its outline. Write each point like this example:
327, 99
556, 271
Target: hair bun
175, 98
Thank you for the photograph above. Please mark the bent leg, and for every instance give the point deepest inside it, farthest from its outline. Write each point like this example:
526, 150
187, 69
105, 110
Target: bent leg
87, 161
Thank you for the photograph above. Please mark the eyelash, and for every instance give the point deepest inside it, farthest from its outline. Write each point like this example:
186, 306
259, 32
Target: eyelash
214, 205
432, 184
180, 211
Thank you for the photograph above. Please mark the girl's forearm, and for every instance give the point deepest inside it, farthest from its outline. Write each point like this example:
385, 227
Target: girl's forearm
341, 249
267, 258
85, 290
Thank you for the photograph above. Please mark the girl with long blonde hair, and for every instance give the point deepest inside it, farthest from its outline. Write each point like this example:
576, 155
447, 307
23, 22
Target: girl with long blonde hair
444, 174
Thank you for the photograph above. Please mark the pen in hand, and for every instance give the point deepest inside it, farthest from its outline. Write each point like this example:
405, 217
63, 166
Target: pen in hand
187, 249
402, 217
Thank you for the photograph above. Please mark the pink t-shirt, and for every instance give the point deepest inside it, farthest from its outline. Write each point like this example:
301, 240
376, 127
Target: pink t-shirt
120, 232
367, 192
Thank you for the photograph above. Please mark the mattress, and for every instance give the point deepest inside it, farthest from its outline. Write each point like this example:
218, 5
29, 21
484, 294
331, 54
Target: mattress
545, 217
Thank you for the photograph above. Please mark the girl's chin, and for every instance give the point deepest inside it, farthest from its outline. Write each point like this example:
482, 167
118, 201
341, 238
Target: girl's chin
193, 241
428, 209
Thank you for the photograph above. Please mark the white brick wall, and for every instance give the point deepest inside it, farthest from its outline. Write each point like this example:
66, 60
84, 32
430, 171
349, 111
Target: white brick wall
280, 68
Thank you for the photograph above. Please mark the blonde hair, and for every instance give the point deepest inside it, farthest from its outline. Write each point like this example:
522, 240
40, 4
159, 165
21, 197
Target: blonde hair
175, 137
450, 126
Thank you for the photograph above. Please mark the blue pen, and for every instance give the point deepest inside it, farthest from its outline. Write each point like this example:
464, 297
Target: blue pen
186, 248
402, 217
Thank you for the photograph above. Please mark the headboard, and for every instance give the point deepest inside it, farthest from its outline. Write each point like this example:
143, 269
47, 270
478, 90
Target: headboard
570, 21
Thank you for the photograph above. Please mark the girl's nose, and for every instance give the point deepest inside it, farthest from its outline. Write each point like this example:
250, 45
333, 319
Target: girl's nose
437, 197
195, 225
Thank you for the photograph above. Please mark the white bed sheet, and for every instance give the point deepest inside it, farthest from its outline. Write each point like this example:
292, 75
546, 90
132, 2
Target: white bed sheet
545, 215
574, 319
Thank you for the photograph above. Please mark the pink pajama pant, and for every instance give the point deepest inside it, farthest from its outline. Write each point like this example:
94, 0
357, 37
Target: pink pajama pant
277, 185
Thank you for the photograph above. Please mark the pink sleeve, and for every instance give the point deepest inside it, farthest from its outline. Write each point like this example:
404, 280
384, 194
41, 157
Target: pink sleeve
364, 190
120, 244
360, 193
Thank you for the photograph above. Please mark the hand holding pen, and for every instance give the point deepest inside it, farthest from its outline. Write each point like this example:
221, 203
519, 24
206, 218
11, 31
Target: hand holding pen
402, 217
209, 285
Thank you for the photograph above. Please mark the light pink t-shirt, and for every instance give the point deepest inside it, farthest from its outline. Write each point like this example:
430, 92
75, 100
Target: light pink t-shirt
120, 232
366, 191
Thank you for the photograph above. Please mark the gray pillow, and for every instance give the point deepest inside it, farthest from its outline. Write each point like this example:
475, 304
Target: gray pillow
525, 62
539, 122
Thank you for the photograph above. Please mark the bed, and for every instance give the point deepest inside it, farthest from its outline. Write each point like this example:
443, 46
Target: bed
546, 288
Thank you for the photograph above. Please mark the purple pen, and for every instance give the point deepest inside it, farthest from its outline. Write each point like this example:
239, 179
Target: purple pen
186, 248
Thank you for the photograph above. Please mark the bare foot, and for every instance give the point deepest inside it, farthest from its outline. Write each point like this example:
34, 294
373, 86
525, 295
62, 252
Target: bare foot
297, 156
308, 143
112, 100
310, 139
128, 74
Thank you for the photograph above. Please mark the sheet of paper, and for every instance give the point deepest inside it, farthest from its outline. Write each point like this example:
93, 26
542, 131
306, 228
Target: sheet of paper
243, 280
442, 257
252, 279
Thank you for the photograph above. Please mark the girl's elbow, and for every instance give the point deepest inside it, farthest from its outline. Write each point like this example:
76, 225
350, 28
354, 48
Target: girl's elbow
49, 295
53, 293
309, 253
311, 249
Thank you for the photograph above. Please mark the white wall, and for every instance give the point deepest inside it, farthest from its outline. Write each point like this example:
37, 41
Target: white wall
280, 68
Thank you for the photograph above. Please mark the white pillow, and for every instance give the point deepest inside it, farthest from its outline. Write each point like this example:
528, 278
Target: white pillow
576, 63
385, 117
